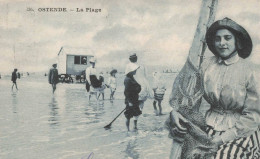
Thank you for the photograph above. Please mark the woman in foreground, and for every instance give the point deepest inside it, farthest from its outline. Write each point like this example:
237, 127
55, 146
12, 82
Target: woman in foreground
230, 88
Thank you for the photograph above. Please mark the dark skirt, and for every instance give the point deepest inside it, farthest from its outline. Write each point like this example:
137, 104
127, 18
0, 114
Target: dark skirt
132, 111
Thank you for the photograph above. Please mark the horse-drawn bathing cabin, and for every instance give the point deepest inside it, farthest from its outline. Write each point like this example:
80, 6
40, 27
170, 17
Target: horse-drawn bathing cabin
72, 62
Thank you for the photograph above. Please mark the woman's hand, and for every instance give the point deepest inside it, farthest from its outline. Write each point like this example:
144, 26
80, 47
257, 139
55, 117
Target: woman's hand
217, 140
176, 117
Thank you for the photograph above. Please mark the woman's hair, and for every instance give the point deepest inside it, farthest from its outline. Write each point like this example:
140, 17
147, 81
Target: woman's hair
133, 58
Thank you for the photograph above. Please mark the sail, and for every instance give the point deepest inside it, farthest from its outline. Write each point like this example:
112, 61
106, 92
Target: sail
187, 89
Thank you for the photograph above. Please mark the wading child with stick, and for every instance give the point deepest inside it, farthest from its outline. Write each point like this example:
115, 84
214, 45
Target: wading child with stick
132, 89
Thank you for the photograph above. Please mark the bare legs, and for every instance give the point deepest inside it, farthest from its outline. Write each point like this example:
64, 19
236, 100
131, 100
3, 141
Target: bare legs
128, 123
159, 105
53, 87
112, 95
103, 96
92, 93
15, 86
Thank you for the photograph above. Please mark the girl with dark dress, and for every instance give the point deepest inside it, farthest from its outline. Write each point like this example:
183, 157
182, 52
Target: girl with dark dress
132, 89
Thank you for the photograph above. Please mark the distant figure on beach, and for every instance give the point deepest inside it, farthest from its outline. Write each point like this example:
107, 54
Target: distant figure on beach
132, 89
141, 78
159, 90
112, 83
14, 78
93, 84
53, 77
103, 86
18, 75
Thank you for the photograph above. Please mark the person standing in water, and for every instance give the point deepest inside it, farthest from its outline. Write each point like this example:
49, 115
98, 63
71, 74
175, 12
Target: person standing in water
112, 83
14, 78
103, 86
159, 90
53, 77
92, 80
141, 78
132, 89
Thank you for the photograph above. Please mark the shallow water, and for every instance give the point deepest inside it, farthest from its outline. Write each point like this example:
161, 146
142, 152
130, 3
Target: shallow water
37, 124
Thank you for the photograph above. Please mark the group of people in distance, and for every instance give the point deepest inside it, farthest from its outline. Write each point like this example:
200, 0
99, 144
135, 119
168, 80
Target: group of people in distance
137, 87
95, 83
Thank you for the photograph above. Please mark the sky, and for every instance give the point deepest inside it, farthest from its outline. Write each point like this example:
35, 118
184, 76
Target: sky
160, 32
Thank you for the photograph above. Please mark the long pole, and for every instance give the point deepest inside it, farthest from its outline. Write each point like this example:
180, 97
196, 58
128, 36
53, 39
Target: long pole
194, 60
14, 56
109, 125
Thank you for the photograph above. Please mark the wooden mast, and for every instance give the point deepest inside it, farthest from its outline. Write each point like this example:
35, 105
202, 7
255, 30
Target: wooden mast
185, 86
206, 18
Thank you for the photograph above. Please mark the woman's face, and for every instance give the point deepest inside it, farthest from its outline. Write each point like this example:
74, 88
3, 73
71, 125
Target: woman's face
225, 43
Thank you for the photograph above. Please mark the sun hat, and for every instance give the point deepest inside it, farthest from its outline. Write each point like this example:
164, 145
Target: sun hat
92, 60
131, 67
131, 55
243, 40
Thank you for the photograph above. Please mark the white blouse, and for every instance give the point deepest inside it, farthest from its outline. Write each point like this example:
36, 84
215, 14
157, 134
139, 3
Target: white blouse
230, 88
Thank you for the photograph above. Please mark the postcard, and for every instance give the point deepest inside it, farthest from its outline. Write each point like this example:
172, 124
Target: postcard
133, 79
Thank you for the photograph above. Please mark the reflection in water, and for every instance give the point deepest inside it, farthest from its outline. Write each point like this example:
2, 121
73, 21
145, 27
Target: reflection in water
14, 102
94, 112
131, 150
53, 120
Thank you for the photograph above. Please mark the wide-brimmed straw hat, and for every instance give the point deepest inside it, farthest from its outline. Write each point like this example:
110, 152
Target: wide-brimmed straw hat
131, 67
243, 41
92, 60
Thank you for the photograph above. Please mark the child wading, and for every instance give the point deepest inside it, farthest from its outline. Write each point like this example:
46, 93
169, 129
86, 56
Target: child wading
112, 83
132, 89
103, 86
159, 90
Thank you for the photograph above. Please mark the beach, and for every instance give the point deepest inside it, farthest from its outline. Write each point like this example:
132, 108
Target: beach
37, 124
